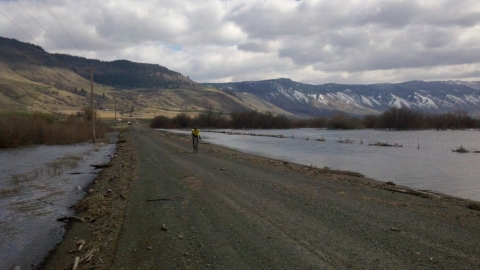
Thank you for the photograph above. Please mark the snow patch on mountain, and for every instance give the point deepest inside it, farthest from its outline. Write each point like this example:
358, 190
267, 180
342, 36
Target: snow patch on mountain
375, 101
472, 99
300, 96
455, 99
369, 101
342, 97
425, 101
320, 98
399, 102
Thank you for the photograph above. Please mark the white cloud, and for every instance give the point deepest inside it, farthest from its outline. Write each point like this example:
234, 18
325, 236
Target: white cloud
312, 41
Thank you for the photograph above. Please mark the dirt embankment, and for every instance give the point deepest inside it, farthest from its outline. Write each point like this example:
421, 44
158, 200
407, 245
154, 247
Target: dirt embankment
93, 233
223, 209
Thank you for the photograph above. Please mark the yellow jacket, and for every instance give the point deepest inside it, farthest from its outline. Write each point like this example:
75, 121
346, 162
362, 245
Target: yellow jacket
195, 132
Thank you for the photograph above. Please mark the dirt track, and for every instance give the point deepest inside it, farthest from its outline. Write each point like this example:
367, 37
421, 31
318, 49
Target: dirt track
222, 209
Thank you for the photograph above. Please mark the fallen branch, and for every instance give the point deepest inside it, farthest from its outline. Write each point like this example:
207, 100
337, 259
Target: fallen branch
411, 192
80, 243
92, 266
99, 166
474, 206
75, 264
87, 257
163, 199
121, 195
385, 144
65, 218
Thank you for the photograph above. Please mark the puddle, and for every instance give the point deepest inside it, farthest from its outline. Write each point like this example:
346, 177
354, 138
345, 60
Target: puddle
38, 185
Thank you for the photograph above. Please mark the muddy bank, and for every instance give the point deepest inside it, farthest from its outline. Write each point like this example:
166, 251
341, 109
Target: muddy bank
168, 208
93, 231
37, 185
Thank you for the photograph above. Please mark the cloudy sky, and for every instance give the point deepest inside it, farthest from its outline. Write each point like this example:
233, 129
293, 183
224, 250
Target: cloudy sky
310, 41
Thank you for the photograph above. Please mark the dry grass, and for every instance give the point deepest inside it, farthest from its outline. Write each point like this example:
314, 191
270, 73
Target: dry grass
59, 165
19, 129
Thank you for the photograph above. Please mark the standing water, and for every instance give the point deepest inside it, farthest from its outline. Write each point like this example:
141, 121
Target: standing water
38, 185
425, 160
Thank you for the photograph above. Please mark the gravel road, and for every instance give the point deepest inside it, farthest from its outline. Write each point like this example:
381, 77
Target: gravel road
223, 209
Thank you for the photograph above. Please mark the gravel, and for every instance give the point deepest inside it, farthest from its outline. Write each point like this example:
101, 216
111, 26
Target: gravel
224, 209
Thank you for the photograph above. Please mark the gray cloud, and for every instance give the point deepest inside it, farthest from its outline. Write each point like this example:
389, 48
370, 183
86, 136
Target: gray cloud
314, 41
253, 47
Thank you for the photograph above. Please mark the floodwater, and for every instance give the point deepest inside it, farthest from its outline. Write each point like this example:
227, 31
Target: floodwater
425, 161
38, 185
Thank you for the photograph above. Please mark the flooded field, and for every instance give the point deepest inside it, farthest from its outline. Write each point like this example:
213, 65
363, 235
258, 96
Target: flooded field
425, 160
38, 185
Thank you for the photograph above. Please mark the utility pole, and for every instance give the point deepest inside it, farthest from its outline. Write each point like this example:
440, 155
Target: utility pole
115, 98
93, 107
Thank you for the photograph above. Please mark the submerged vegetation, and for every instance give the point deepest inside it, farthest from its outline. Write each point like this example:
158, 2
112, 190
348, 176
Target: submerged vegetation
393, 119
20, 129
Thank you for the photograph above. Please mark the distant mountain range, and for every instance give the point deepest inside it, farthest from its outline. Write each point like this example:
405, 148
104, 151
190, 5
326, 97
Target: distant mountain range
307, 100
32, 79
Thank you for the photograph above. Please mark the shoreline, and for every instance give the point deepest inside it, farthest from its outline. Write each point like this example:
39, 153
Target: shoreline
40, 183
420, 185
95, 242
102, 209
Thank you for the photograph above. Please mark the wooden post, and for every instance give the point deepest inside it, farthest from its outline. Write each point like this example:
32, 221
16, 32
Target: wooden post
93, 107
115, 113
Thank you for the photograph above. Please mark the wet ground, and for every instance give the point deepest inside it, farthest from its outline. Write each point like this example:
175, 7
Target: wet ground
38, 185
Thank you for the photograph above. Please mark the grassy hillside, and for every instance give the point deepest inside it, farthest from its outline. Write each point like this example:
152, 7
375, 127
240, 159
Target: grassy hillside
34, 80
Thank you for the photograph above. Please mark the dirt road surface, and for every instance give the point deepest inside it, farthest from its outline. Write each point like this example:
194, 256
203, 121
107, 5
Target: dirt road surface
223, 209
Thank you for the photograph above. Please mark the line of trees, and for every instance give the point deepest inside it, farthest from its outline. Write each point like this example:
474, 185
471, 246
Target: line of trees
407, 119
393, 119
236, 119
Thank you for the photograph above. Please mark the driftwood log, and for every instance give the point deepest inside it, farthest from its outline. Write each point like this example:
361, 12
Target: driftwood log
75, 263
410, 191
65, 218
163, 199
99, 166
385, 144
474, 206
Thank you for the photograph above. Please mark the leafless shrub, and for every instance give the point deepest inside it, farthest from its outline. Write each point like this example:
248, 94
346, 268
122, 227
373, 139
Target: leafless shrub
18, 129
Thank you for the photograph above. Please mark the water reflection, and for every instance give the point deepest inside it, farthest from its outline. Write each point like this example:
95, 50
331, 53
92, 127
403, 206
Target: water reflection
38, 185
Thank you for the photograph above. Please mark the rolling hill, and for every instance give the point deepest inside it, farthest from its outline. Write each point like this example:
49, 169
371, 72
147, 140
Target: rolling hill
32, 79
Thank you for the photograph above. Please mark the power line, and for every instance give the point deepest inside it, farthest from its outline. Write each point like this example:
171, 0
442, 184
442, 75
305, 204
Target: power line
59, 23
39, 25
36, 42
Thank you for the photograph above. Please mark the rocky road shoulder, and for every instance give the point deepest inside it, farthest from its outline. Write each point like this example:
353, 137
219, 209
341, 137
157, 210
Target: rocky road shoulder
161, 206
92, 235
